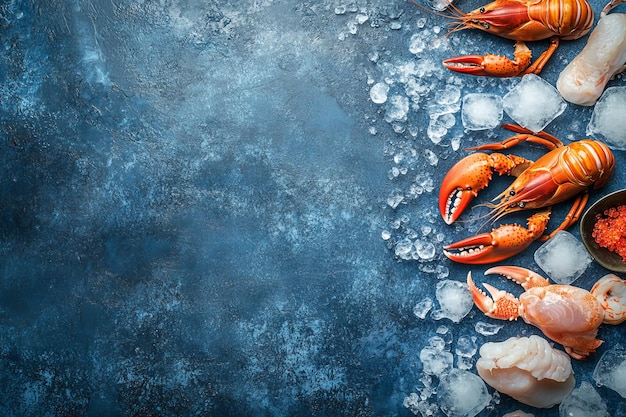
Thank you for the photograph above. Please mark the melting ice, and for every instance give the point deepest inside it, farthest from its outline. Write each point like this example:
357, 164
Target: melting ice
436, 358
611, 371
481, 111
607, 121
462, 394
563, 258
584, 401
533, 103
455, 300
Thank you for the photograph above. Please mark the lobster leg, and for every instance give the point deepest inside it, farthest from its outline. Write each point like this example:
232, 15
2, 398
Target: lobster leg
500, 243
524, 135
492, 65
572, 216
538, 65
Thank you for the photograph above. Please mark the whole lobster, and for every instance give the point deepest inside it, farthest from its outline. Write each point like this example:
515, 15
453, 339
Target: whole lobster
564, 172
520, 20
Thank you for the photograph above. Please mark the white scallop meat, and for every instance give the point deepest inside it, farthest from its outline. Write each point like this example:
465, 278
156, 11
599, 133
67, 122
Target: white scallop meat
527, 369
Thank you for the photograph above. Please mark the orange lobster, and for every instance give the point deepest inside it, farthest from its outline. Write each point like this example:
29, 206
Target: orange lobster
521, 20
562, 173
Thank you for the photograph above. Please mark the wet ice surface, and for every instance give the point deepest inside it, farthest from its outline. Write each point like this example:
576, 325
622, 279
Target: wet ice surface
607, 121
462, 394
210, 210
611, 370
584, 401
533, 103
563, 258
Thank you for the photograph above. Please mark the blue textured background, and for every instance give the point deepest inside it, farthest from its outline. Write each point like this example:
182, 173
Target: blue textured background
193, 203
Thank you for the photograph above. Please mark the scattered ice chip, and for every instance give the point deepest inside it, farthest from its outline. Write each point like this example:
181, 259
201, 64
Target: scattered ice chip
450, 94
481, 111
608, 121
462, 394
423, 307
435, 361
454, 299
397, 108
425, 250
611, 370
465, 350
563, 258
378, 93
584, 401
487, 329
533, 103
394, 200
417, 43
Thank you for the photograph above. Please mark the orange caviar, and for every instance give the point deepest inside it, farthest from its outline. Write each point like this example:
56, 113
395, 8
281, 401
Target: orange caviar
610, 230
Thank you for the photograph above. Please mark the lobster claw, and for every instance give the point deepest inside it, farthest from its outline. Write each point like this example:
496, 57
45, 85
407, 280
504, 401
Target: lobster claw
462, 183
492, 65
500, 243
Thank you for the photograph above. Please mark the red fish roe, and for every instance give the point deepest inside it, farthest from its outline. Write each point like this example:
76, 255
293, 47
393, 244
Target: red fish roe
610, 230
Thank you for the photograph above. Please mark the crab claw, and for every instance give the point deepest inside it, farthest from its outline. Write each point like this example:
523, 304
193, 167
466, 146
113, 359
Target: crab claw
501, 243
524, 277
501, 305
492, 65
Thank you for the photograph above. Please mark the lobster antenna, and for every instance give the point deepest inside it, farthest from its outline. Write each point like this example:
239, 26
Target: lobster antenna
457, 16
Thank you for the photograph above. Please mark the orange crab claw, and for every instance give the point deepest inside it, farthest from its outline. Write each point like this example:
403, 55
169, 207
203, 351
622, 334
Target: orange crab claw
501, 243
492, 65
524, 277
501, 305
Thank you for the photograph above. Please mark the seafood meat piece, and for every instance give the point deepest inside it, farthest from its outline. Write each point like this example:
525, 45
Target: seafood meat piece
583, 80
527, 369
566, 314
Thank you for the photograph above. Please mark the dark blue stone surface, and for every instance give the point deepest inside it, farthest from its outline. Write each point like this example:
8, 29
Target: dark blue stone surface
193, 200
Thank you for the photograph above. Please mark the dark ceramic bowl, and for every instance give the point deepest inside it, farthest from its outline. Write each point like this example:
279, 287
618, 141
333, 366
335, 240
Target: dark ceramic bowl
609, 260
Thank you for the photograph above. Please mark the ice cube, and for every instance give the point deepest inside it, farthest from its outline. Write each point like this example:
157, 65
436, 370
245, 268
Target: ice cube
607, 121
454, 299
481, 111
378, 93
533, 103
462, 394
563, 258
584, 401
611, 371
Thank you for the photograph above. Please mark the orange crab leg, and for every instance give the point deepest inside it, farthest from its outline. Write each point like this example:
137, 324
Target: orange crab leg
492, 65
500, 243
